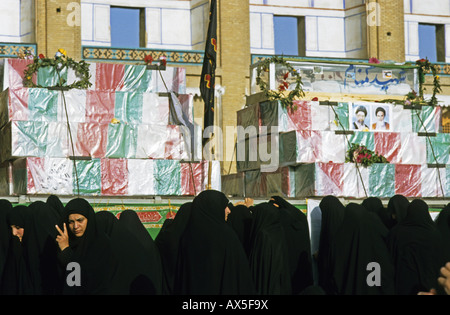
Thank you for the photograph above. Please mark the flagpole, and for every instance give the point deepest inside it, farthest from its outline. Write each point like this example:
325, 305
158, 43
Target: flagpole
207, 79
209, 174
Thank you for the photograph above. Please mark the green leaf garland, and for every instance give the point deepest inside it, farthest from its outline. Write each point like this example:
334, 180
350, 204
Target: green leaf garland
81, 69
279, 94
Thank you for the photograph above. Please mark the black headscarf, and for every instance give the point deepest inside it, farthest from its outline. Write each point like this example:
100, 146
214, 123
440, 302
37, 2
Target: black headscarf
298, 243
56, 203
350, 239
16, 274
212, 260
240, 220
369, 246
269, 257
168, 242
5, 234
375, 205
42, 249
92, 251
332, 218
398, 207
417, 250
443, 224
129, 219
135, 274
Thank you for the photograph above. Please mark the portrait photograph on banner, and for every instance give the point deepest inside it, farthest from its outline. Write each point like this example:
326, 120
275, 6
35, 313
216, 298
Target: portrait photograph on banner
370, 116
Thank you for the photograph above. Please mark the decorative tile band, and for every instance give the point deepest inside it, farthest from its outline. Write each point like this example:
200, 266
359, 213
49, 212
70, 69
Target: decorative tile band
8, 50
186, 57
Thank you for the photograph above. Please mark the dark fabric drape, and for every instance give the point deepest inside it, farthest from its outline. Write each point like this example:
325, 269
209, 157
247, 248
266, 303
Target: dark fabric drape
298, 243
42, 249
240, 220
211, 258
350, 240
135, 273
168, 243
417, 250
5, 235
16, 274
375, 205
443, 224
269, 257
397, 207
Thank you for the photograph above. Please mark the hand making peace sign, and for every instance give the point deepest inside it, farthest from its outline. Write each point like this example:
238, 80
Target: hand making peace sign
62, 238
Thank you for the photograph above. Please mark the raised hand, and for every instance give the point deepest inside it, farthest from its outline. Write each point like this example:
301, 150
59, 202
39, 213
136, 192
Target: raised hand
63, 238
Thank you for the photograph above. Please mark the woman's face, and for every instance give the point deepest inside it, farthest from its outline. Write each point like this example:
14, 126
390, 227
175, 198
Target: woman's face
17, 231
227, 212
77, 224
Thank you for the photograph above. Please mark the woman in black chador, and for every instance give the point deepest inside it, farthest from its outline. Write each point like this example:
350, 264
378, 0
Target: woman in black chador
269, 257
443, 224
240, 220
168, 242
82, 243
350, 241
5, 236
296, 230
211, 259
417, 250
16, 278
136, 273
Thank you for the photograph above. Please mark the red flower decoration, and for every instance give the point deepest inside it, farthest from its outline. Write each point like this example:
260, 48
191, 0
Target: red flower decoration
148, 59
286, 75
373, 60
41, 56
315, 99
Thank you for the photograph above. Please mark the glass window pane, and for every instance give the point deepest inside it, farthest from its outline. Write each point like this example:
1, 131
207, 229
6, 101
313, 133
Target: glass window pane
286, 35
427, 42
124, 27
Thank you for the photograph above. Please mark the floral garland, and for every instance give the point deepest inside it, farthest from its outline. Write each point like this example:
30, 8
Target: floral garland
279, 94
59, 62
417, 98
425, 66
361, 155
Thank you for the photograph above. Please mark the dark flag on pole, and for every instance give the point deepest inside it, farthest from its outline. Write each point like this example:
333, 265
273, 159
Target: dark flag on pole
207, 79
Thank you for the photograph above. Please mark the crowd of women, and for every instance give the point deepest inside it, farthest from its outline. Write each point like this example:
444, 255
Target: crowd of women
212, 247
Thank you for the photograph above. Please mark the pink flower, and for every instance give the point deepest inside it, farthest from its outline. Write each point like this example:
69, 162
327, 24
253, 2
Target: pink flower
373, 60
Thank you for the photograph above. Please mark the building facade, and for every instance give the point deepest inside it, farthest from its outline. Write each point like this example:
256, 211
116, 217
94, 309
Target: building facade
389, 30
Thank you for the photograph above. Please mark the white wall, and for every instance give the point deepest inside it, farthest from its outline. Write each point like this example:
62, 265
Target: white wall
333, 28
17, 21
429, 11
169, 24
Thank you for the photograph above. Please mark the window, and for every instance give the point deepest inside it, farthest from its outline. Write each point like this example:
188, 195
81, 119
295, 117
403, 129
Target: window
127, 27
432, 42
289, 35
